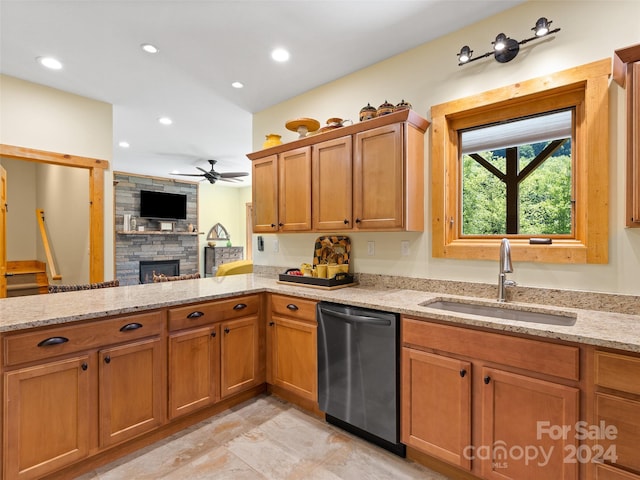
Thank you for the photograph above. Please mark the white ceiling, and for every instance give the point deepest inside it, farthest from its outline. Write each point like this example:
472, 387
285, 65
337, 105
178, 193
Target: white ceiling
205, 45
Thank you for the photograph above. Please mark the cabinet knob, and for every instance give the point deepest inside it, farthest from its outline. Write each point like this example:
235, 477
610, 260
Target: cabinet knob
226, 330
346, 222
107, 359
292, 307
213, 334
240, 306
358, 220
273, 225
84, 366
463, 372
487, 379
281, 224
196, 314
271, 324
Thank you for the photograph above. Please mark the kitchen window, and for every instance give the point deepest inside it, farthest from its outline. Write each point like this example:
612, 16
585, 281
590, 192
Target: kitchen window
517, 177
499, 157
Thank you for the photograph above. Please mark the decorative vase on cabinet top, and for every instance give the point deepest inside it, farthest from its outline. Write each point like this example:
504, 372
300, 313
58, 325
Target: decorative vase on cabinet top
272, 140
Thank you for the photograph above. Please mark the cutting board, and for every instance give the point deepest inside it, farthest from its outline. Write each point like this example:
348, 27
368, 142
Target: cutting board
332, 249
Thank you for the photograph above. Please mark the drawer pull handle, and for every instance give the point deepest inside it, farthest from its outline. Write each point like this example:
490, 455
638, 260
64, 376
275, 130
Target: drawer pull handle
226, 330
84, 366
463, 372
53, 341
107, 359
487, 379
196, 314
131, 326
240, 306
292, 306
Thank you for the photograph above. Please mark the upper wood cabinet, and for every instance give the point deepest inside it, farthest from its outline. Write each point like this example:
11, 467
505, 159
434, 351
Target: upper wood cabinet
626, 71
367, 176
332, 173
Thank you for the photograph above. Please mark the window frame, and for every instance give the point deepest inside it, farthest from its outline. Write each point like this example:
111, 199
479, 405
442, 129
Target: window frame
585, 88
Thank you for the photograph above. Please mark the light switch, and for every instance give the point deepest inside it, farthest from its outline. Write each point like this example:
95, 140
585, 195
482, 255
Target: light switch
276, 246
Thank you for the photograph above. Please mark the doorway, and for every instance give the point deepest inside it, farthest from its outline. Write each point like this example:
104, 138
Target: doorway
96, 168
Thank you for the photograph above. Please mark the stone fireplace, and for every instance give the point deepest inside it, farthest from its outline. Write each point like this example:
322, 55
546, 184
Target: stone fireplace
134, 248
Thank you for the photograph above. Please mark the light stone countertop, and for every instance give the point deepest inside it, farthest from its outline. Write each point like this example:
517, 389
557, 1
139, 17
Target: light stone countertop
613, 330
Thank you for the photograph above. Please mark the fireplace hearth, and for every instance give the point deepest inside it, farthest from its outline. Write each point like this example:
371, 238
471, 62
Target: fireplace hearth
169, 268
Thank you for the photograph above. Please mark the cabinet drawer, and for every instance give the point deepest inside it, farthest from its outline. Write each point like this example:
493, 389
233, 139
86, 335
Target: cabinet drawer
62, 340
534, 355
605, 472
294, 307
620, 372
207, 312
624, 415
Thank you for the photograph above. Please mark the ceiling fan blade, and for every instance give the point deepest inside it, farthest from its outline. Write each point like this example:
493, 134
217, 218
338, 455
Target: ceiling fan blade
189, 174
203, 170
233, 174
232, 180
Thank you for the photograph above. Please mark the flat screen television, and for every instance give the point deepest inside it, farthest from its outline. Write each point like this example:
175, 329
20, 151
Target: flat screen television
170, 206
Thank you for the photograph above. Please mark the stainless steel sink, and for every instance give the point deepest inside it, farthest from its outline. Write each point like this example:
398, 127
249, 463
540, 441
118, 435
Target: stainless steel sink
548, 318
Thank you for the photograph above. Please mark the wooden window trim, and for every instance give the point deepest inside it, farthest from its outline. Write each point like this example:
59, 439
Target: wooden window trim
96, 169
586, 89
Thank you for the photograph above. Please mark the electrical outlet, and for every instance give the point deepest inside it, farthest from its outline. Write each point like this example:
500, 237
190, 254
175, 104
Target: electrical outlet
276, 246
404, 248
371, 247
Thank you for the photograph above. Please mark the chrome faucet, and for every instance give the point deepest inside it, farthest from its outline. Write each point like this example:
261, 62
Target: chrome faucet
505, 267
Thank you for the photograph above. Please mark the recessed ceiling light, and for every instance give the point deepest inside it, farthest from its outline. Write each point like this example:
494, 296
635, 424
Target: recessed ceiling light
50, 62
124, 144
237, 84
165, 120
147, 47
280, 55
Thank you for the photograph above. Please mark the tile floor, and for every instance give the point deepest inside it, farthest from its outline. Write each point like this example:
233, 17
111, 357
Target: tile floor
263, 438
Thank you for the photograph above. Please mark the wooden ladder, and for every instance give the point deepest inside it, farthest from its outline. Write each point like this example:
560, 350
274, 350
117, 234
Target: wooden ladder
26, 277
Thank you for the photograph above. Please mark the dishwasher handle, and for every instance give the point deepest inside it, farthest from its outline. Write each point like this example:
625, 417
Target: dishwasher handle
351, 318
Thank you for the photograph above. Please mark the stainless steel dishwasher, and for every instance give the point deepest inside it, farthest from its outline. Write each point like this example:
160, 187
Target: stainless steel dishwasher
358, 372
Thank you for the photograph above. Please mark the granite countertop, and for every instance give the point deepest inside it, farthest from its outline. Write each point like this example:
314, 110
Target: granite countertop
613, 330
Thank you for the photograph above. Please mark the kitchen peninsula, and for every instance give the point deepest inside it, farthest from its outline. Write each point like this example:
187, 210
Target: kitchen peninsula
105, 341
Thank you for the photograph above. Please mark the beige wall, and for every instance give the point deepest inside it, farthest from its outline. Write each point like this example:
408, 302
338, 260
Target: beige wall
429, 75
43, 118
226, 205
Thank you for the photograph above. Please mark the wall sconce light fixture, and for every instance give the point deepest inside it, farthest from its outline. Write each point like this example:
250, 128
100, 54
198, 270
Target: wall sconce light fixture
505, 49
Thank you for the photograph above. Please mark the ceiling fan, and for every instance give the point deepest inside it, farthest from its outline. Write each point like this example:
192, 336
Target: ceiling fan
212, 176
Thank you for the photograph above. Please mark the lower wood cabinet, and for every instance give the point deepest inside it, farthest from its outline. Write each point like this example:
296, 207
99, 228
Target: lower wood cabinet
47, 417
53, 408
617, 412
436, 405
477, 400
132, 390
194, 369
214, 352
292, 342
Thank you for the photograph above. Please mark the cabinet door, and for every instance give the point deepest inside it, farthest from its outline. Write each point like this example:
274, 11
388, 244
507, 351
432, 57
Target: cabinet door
624, 415
294, 356
132, 390
264, 181
47, 417
194, 370
436, 405
378, 178
239, 355
294, 190
522, 414
332, 167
